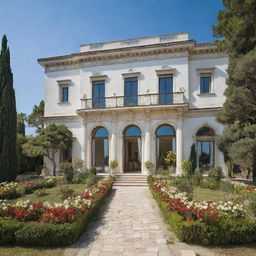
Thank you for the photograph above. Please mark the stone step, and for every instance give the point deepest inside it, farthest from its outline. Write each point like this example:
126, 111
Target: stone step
121, 184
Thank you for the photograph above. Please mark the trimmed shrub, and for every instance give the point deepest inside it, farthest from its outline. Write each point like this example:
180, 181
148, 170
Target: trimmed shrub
92, 170
67, 168
224, 231
8, 229
91, 179
216, 173
66, 192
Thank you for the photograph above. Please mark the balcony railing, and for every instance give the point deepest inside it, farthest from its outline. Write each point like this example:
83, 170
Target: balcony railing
134, 101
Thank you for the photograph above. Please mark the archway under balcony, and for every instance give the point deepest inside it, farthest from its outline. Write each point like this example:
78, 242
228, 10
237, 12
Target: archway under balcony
165, 142
132, 150
100, 148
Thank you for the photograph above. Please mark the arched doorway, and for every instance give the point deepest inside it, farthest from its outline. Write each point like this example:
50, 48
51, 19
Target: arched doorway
205, 147
100, 148
165, 141
132, 149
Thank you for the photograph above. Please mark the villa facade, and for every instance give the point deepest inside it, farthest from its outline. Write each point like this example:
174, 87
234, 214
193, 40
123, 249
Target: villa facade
134, 100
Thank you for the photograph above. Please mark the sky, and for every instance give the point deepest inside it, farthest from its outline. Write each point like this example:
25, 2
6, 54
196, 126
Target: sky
45, 28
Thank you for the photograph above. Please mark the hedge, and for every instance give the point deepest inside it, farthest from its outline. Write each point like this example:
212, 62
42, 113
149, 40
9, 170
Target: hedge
46, 234
224, 231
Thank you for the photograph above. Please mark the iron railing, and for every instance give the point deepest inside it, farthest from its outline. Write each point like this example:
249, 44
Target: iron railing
173, 98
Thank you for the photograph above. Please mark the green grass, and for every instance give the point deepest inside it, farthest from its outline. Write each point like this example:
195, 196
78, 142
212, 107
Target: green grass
201, 194
23, 251
52, 196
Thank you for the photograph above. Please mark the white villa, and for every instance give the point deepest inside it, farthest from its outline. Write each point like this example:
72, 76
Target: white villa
134, 100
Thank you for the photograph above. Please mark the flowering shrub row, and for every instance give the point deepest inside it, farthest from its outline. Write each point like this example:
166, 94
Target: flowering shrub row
45, 224
241, 187
11, 190
205, 211
192, 221
58, 213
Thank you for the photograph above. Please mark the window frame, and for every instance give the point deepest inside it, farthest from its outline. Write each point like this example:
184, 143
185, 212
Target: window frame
205, 72
64, 84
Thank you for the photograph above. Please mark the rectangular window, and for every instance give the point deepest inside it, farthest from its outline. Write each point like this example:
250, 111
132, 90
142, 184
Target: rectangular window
165, 90
205, 83
131, 91
98, 94
64, 94
205, 151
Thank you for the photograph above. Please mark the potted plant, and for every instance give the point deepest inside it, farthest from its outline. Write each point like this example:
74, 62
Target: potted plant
170, 160
150, 166
113, 164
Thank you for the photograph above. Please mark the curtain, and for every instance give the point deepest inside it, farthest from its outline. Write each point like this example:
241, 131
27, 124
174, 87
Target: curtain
173, 144
139, 148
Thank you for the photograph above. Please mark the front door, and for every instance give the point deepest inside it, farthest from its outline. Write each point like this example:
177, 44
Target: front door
132, 153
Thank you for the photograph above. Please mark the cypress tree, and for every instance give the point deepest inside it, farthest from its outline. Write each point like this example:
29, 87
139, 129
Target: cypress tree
193, 157
237, 25
8, 118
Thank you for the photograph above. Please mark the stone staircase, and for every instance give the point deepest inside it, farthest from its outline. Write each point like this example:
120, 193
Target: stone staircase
130, 180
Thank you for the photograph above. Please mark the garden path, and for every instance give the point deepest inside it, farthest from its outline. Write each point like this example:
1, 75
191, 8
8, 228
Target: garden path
127, 225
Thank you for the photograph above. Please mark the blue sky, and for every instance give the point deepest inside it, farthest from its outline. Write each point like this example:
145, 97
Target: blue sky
44, 28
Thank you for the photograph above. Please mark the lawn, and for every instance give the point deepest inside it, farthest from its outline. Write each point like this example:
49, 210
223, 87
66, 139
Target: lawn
52, 196
201, 194
23, 251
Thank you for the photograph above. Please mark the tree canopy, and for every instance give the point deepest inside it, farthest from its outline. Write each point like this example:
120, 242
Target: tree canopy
8, 118
35, 118
237, 25
51, 138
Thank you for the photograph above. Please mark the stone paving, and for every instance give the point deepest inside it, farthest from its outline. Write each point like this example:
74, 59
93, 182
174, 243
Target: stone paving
127, 226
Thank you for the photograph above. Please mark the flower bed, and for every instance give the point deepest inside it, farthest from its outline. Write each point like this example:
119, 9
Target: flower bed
11, 190
204, 222
43, 223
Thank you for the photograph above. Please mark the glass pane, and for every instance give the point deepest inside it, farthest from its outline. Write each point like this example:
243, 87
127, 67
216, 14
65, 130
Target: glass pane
165, 130
98, 94
205, 153
65, 94
132, 131
101, 132
131, 91
165, 90
205, 84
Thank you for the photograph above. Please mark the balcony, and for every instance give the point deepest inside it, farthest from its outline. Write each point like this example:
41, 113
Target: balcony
143, 100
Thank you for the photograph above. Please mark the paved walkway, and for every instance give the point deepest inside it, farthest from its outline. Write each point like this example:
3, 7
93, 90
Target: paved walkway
127, 226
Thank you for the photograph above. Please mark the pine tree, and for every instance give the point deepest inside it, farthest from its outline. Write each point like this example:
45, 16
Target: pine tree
21, 127
237, 24
8, 118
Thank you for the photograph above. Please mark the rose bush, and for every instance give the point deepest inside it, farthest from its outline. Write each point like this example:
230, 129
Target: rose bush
58, 213
205, 211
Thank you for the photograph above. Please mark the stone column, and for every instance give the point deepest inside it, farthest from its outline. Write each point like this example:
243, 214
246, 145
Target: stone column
113, 141
179, 146
89, 150
147, 142
84, 140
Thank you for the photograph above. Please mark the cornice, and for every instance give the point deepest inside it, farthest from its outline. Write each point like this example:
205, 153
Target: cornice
128, 54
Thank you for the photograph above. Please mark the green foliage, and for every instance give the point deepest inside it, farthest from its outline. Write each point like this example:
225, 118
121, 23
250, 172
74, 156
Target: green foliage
193, 158
91, 170
8, 118
41, 192
26, 163
186, 166
21, 119
68, 170
8, 228
51, 138
35, 118
210, 183
78, 163
236, 23
225, 231
66, 192
197, 177
170, 158
183, 184
113, 164
216, 173
91, 179
149, 165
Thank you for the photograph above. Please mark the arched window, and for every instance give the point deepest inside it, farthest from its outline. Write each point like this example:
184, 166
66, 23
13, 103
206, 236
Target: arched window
132, 149
100, 148
165, 142
205, 147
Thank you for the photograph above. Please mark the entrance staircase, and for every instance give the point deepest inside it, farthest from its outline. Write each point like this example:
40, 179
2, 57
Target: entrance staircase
130, 180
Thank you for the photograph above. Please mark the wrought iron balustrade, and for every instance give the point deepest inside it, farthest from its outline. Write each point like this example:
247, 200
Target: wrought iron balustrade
134, 101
